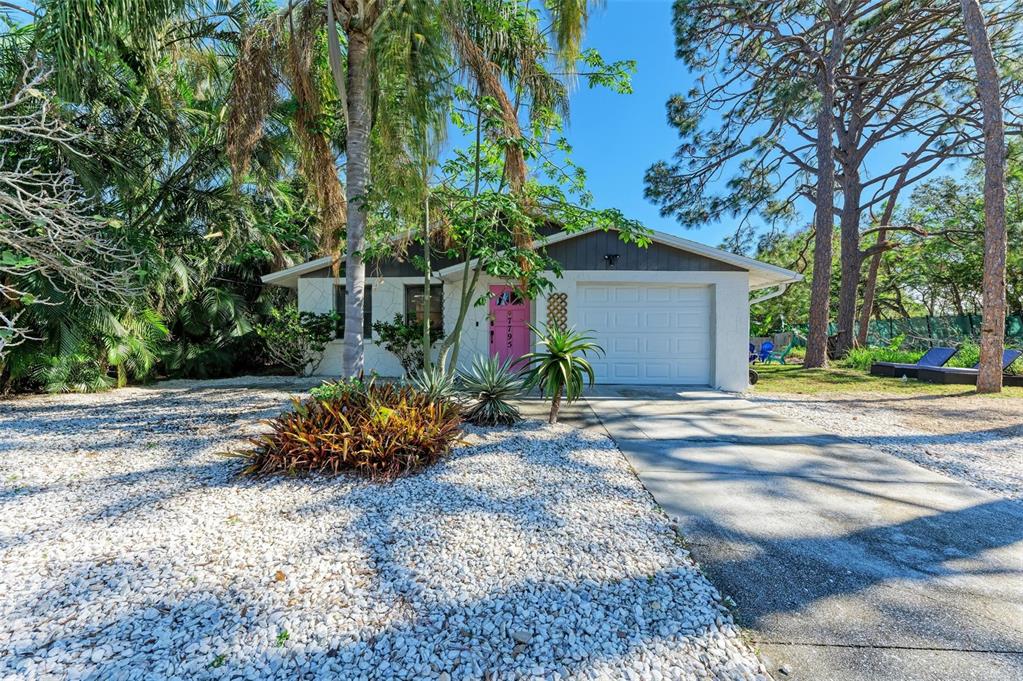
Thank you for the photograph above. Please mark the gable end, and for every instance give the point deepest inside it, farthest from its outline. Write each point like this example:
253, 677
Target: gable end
587, 251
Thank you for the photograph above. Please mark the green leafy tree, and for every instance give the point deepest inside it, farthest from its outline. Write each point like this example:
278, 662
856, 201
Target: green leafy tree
296, 340
403, 339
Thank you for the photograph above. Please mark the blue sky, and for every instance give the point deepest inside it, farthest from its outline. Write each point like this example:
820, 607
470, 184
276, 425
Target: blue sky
617, 137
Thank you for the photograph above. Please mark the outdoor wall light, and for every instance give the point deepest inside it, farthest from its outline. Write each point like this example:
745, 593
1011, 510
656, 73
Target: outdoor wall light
611, 259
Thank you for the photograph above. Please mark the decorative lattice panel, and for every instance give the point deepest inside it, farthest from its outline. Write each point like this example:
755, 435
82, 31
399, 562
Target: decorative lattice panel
557, 310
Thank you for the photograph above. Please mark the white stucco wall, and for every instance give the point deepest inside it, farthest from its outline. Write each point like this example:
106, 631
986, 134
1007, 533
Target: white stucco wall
729, 330
317, 295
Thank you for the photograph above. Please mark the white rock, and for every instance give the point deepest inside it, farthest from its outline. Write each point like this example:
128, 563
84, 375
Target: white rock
522, 555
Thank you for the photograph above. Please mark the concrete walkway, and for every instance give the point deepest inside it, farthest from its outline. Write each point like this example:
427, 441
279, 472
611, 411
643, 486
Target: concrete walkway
844, 563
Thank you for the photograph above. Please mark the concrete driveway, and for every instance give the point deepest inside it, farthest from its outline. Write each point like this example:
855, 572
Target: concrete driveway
844, 563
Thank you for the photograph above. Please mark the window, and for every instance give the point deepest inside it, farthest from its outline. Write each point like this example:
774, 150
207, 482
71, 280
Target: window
414, 302
367, 308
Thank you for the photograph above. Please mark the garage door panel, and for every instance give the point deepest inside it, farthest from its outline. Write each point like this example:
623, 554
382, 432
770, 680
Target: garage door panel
651, 333
657, 370
625, 319
595, 294
657, 345
627, 295
659, 294
656, 321
596, 319
624, 370
625, 345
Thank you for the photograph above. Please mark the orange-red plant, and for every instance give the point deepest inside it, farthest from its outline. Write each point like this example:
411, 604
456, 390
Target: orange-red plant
379, 430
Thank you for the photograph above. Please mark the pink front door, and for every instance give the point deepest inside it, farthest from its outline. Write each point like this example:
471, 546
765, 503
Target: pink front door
509, 317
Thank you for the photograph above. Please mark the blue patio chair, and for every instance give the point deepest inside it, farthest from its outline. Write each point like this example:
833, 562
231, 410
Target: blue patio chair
933, 358
967, 376
765, 350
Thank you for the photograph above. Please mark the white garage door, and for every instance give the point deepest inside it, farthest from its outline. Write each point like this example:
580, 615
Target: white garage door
650, 333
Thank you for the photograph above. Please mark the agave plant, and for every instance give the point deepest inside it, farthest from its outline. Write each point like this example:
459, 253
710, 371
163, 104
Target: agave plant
436, 384
561, 368
490, 383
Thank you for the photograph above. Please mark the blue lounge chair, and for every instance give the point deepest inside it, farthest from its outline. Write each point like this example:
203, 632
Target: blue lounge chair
935, 357
968, 376
765, 350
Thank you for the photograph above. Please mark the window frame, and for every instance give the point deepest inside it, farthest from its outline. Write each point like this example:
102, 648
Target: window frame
340, 296
436, 294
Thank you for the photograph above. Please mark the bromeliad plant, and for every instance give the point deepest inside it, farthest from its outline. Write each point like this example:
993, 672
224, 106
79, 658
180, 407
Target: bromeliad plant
381, 431
561, 369
490, 383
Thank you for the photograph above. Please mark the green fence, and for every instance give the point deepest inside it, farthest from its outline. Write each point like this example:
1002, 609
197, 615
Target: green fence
924, 332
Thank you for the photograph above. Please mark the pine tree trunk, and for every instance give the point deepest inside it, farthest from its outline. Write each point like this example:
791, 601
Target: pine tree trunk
358, 176
851, 259
992, 329
870, 291
820, 287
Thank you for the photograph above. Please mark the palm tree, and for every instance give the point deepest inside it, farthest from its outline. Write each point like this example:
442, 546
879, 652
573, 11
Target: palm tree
561, 369
384, 70
992, 330
385, 41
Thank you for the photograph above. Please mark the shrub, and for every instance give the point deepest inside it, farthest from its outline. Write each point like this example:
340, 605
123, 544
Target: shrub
862, 358
561, 368
73, 373
489, 383
967, 356
404, 340
293, 339
380, 430
334, 390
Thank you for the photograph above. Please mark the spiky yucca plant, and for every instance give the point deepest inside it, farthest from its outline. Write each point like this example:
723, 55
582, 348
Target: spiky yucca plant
490, 383
560, 369
435, 384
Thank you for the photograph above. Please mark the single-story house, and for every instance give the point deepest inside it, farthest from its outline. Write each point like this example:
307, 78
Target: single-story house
673, 313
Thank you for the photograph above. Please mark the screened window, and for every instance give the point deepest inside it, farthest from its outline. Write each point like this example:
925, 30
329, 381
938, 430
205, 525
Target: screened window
367, 308
415, 303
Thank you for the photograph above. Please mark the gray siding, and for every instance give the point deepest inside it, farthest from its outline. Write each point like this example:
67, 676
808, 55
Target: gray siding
584, 252
587, 252
386, 268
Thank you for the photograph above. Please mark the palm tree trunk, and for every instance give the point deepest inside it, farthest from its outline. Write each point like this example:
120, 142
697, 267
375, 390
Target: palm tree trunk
555, 407
992, 327
358, 175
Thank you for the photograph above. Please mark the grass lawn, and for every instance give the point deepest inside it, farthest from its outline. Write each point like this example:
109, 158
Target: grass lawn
794, 379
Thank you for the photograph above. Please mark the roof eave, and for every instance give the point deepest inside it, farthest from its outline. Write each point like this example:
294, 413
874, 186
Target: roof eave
288, 278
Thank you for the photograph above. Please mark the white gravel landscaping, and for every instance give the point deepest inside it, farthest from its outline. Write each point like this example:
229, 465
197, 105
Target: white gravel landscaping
129, 549
979, 443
